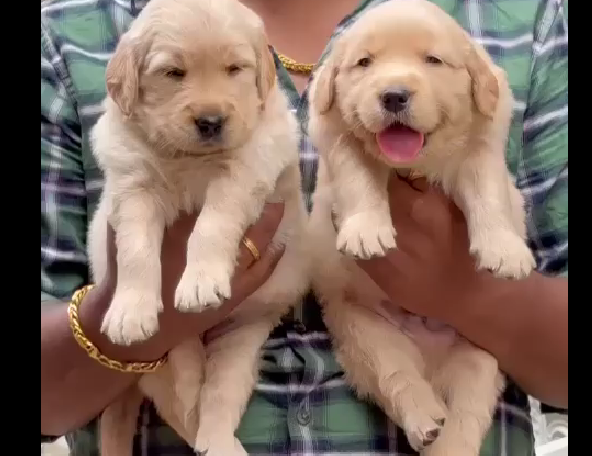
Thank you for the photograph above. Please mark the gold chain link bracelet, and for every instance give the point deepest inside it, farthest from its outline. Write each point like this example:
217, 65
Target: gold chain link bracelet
93, 351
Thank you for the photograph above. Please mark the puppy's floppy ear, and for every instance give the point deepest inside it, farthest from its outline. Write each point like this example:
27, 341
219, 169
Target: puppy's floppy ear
485, 86
265, 67
323, 94
123, 74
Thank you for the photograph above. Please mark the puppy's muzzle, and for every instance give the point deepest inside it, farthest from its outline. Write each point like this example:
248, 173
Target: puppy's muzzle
210, 127
395, 99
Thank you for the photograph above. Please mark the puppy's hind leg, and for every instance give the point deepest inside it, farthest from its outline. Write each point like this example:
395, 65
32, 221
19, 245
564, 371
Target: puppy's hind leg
187, 362
118, 423
470, 384
383, 363
175, 388
231, 373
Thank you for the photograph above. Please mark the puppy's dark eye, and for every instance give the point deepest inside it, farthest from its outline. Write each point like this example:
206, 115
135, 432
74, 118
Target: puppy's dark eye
175, 73
364, 62
432, 60
233, 69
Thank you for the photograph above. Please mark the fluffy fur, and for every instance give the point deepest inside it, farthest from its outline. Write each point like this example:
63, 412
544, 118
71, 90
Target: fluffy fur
422, 376
195, 120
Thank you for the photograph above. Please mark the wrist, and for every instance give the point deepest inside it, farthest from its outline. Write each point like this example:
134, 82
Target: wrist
487, 310
91, 312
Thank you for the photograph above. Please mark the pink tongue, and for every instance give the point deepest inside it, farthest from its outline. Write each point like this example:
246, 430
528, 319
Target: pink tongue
400, 143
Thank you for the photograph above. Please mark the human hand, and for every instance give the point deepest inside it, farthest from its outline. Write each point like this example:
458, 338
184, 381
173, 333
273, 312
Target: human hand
431, 272
175, 326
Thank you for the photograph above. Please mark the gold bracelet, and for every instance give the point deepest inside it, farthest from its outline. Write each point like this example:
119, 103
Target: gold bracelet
93, 351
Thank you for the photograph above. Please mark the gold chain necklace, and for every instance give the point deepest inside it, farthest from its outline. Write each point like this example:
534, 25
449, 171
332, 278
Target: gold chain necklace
293, 65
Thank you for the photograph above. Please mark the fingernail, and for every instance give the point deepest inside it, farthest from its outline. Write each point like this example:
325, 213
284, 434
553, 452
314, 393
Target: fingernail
403, 173
419, 183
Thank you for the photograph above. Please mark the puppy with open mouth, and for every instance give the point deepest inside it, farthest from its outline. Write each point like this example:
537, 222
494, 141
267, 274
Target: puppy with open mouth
406, 88
195, 121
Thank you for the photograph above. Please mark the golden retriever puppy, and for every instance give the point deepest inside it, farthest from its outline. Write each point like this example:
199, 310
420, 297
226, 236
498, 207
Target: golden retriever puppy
195, 120
406, 88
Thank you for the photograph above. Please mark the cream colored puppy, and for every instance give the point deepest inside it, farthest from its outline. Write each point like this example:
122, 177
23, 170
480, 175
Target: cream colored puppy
406, 88
195, 120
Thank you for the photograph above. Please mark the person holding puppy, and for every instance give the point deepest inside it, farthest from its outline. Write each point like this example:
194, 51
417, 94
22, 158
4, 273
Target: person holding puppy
302, 404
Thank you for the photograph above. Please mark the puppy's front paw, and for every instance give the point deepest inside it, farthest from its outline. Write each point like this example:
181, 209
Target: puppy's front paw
132, 316
203, 285
366, 235
218, 445
504, 253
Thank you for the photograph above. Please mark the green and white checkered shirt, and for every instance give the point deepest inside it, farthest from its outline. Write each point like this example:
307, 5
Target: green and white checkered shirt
301, 405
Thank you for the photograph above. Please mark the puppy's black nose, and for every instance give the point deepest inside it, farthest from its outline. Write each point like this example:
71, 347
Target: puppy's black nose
209, 127
396, 99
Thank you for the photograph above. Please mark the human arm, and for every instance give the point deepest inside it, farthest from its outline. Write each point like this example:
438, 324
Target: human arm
522, 323
63, 261
532, 346
76, 388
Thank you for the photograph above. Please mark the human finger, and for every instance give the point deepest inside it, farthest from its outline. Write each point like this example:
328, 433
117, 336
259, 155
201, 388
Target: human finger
406, 185
248, 282
385, 271
415, 199
404, 200
258, 236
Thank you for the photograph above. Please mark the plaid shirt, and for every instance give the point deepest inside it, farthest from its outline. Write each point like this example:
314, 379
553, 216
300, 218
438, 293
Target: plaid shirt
301, 405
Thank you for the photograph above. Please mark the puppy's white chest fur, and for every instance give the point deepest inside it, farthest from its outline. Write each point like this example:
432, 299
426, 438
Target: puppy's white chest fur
181, 183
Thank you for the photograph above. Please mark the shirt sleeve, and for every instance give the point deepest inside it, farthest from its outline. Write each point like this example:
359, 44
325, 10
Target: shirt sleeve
63, 191
543, 168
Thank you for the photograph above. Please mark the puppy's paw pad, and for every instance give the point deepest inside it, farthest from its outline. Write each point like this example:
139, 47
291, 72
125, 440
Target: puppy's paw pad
199, 289
505, 254
431, 435
424, 435
366, 235
132, 317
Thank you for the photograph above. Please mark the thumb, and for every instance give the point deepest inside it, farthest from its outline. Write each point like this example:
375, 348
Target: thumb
404, 192
407, 182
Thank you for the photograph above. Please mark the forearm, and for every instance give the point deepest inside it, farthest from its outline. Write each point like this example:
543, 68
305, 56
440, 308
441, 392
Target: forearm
74, 387
524, 325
